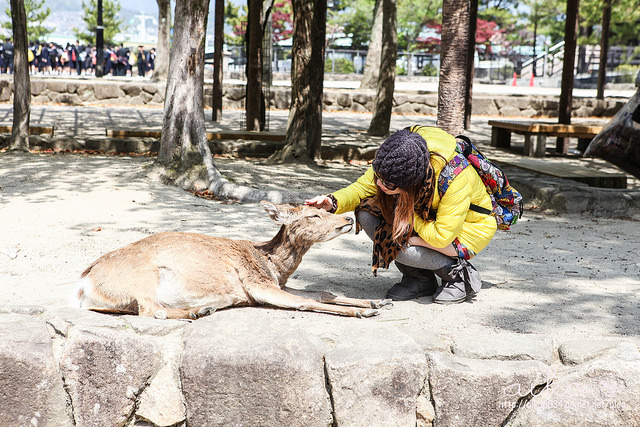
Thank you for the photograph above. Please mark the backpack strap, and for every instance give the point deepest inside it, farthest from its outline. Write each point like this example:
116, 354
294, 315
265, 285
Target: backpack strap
452, 169
480, 209
449, 172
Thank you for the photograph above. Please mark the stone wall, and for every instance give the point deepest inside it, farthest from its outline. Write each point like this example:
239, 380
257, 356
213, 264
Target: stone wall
508, 106
64, 367
131, 92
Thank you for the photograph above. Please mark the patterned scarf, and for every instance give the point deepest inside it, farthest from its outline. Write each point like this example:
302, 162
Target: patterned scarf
385, 248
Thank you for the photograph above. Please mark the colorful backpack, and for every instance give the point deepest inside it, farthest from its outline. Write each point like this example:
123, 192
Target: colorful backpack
507, 202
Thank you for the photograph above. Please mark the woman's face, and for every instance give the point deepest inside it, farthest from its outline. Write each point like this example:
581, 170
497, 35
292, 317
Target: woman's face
380, 184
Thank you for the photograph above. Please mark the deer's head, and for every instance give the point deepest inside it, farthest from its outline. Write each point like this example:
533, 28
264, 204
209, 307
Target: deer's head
308, 224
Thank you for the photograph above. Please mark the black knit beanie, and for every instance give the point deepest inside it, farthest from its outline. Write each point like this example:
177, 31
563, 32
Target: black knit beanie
402, 159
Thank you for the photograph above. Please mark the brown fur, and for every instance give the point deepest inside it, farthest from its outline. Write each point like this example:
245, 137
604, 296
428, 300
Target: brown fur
188, 275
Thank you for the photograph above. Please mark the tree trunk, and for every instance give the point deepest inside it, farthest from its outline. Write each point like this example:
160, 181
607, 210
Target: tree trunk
604, 50
583, 64
304, 128
453, 65
253, 100
185, 157
568, 65
217, 61
161, 70
381, 119
471, 51
99, 41
374, 51
183, 144
534, 65
21, 79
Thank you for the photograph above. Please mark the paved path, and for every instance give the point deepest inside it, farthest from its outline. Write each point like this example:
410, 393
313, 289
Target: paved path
567, 274
81, 122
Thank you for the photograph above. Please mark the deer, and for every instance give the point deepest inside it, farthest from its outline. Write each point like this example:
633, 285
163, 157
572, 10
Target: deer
177, 275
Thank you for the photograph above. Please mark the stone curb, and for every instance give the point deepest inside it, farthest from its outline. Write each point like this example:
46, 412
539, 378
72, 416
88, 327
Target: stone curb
244, 366
560, 195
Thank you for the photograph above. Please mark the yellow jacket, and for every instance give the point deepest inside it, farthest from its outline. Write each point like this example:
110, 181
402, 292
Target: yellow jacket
453, 217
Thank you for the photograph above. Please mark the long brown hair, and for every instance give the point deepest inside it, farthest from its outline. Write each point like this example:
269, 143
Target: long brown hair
398, 209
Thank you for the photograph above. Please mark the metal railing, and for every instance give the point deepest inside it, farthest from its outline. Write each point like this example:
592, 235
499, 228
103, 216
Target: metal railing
551, 60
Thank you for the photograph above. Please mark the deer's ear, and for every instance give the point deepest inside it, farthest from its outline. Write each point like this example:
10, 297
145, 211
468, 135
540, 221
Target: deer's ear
275, 213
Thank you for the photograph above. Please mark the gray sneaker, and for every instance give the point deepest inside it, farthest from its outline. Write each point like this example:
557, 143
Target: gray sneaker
452, 293
460, 281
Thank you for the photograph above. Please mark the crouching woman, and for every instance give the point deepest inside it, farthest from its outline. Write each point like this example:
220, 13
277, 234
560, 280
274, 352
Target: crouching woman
397, 204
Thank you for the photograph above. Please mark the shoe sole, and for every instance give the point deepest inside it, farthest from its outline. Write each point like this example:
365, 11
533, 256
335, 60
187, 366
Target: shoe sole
409, 298
455, 301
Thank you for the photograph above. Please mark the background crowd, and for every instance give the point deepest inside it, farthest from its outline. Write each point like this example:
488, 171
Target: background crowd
54, 59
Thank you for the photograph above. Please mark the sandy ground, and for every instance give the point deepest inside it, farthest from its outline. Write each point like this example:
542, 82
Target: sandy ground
562, 276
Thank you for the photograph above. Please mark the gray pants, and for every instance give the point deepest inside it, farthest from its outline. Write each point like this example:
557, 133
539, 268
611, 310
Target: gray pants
413, 256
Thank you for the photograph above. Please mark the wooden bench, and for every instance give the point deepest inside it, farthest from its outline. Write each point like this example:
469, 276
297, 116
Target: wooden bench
501, 131
211, 136
560, 168
33, 130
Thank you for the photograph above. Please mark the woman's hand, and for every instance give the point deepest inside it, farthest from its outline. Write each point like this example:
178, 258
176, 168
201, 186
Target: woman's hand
320, 202
448, 250
417, 241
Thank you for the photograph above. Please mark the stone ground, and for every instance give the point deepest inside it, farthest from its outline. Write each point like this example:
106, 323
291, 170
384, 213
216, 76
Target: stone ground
558, 276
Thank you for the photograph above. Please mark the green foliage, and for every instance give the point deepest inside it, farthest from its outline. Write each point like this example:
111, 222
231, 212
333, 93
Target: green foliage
503, 17
497, 4
339, 66
627, 72
548, 16
236, 17
112, 25
430, 70
400, 70
413, 17
36, 15
625, 16
501, 73
634, 54
354, 20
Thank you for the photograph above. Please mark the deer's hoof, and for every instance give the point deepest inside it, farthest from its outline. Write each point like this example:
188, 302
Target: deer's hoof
206, 311
382, 303
160, 314
367, 313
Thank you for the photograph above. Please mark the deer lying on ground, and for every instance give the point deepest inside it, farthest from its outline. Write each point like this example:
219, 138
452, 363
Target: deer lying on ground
187, 275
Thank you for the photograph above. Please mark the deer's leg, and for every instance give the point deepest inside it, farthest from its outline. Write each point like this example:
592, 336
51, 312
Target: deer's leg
280, 298
329, 298
153, 309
